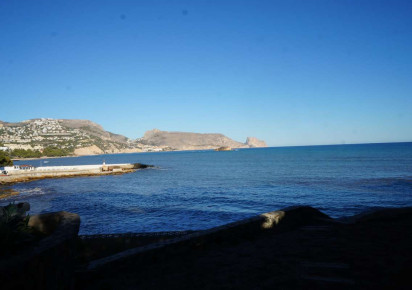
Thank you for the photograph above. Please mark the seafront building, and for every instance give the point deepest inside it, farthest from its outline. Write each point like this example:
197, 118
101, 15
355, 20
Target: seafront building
32, 171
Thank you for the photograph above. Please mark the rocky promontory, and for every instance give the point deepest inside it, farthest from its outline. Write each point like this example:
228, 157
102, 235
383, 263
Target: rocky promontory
255, 142
194, 141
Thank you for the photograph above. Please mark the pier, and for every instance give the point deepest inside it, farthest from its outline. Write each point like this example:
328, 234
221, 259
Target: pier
23, 173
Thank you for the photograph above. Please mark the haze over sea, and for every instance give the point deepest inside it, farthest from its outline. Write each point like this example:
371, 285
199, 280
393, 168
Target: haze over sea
195, 190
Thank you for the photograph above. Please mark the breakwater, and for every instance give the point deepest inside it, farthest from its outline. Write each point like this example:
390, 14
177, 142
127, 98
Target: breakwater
17, 174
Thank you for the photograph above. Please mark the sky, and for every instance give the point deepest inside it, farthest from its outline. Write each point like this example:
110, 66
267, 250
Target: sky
288, 72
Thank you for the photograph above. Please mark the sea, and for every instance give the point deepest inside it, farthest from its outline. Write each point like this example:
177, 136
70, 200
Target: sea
196, 190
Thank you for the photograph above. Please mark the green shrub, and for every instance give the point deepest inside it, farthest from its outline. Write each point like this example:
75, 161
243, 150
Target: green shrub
26, 153
5, 159
55, 152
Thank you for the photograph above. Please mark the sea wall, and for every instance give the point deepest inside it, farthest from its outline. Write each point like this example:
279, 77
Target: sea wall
71, 168
65, 171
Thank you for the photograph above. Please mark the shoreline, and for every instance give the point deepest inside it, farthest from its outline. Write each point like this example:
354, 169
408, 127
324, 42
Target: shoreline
183, 150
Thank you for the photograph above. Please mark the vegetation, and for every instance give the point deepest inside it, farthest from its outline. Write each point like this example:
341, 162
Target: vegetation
5, 159
48, 151
26, 153
56, 152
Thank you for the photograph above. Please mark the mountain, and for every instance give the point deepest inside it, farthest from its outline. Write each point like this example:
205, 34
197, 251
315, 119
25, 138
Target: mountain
80, 137
193, 141
84, 137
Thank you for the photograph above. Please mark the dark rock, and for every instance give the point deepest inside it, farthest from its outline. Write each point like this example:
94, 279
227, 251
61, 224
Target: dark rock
382, 214
141, 166
19, 210
223, 148
49, 263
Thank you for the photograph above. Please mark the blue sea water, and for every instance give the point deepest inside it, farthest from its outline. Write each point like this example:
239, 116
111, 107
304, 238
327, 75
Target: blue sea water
201, 189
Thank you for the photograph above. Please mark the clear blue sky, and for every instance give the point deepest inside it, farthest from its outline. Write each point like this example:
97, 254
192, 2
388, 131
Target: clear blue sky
289, 72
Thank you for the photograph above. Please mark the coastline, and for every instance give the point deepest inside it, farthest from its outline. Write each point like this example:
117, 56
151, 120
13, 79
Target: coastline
75, 156
233, 149
137, 152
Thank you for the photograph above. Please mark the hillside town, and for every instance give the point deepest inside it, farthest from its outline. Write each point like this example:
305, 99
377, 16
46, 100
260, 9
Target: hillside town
81, 138
35, 134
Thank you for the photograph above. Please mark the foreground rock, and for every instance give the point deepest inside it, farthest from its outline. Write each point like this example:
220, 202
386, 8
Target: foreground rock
48, 262
294, 248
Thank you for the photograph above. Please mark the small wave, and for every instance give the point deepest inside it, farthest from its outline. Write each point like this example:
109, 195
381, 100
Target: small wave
34, 191
392, 181
135, 209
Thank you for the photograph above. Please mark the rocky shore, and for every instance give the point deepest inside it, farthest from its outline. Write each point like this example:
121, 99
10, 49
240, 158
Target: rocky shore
292, 248
295, 248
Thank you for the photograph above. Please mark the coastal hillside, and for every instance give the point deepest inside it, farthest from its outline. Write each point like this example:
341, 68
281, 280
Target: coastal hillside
66, 137
61, 137
191, 141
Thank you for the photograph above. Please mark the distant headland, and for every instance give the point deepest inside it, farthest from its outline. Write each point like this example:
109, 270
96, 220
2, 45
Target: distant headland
46, 137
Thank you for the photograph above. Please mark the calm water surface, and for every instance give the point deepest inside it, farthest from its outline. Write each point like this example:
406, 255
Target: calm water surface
203, 189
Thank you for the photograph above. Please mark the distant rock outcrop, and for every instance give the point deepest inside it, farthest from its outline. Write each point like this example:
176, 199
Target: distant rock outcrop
188, 141
255, 142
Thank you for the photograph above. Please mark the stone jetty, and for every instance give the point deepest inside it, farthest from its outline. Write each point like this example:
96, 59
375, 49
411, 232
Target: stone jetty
23, 173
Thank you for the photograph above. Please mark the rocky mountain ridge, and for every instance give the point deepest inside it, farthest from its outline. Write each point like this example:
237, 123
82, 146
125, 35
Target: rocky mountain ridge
84, 137
194, 141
